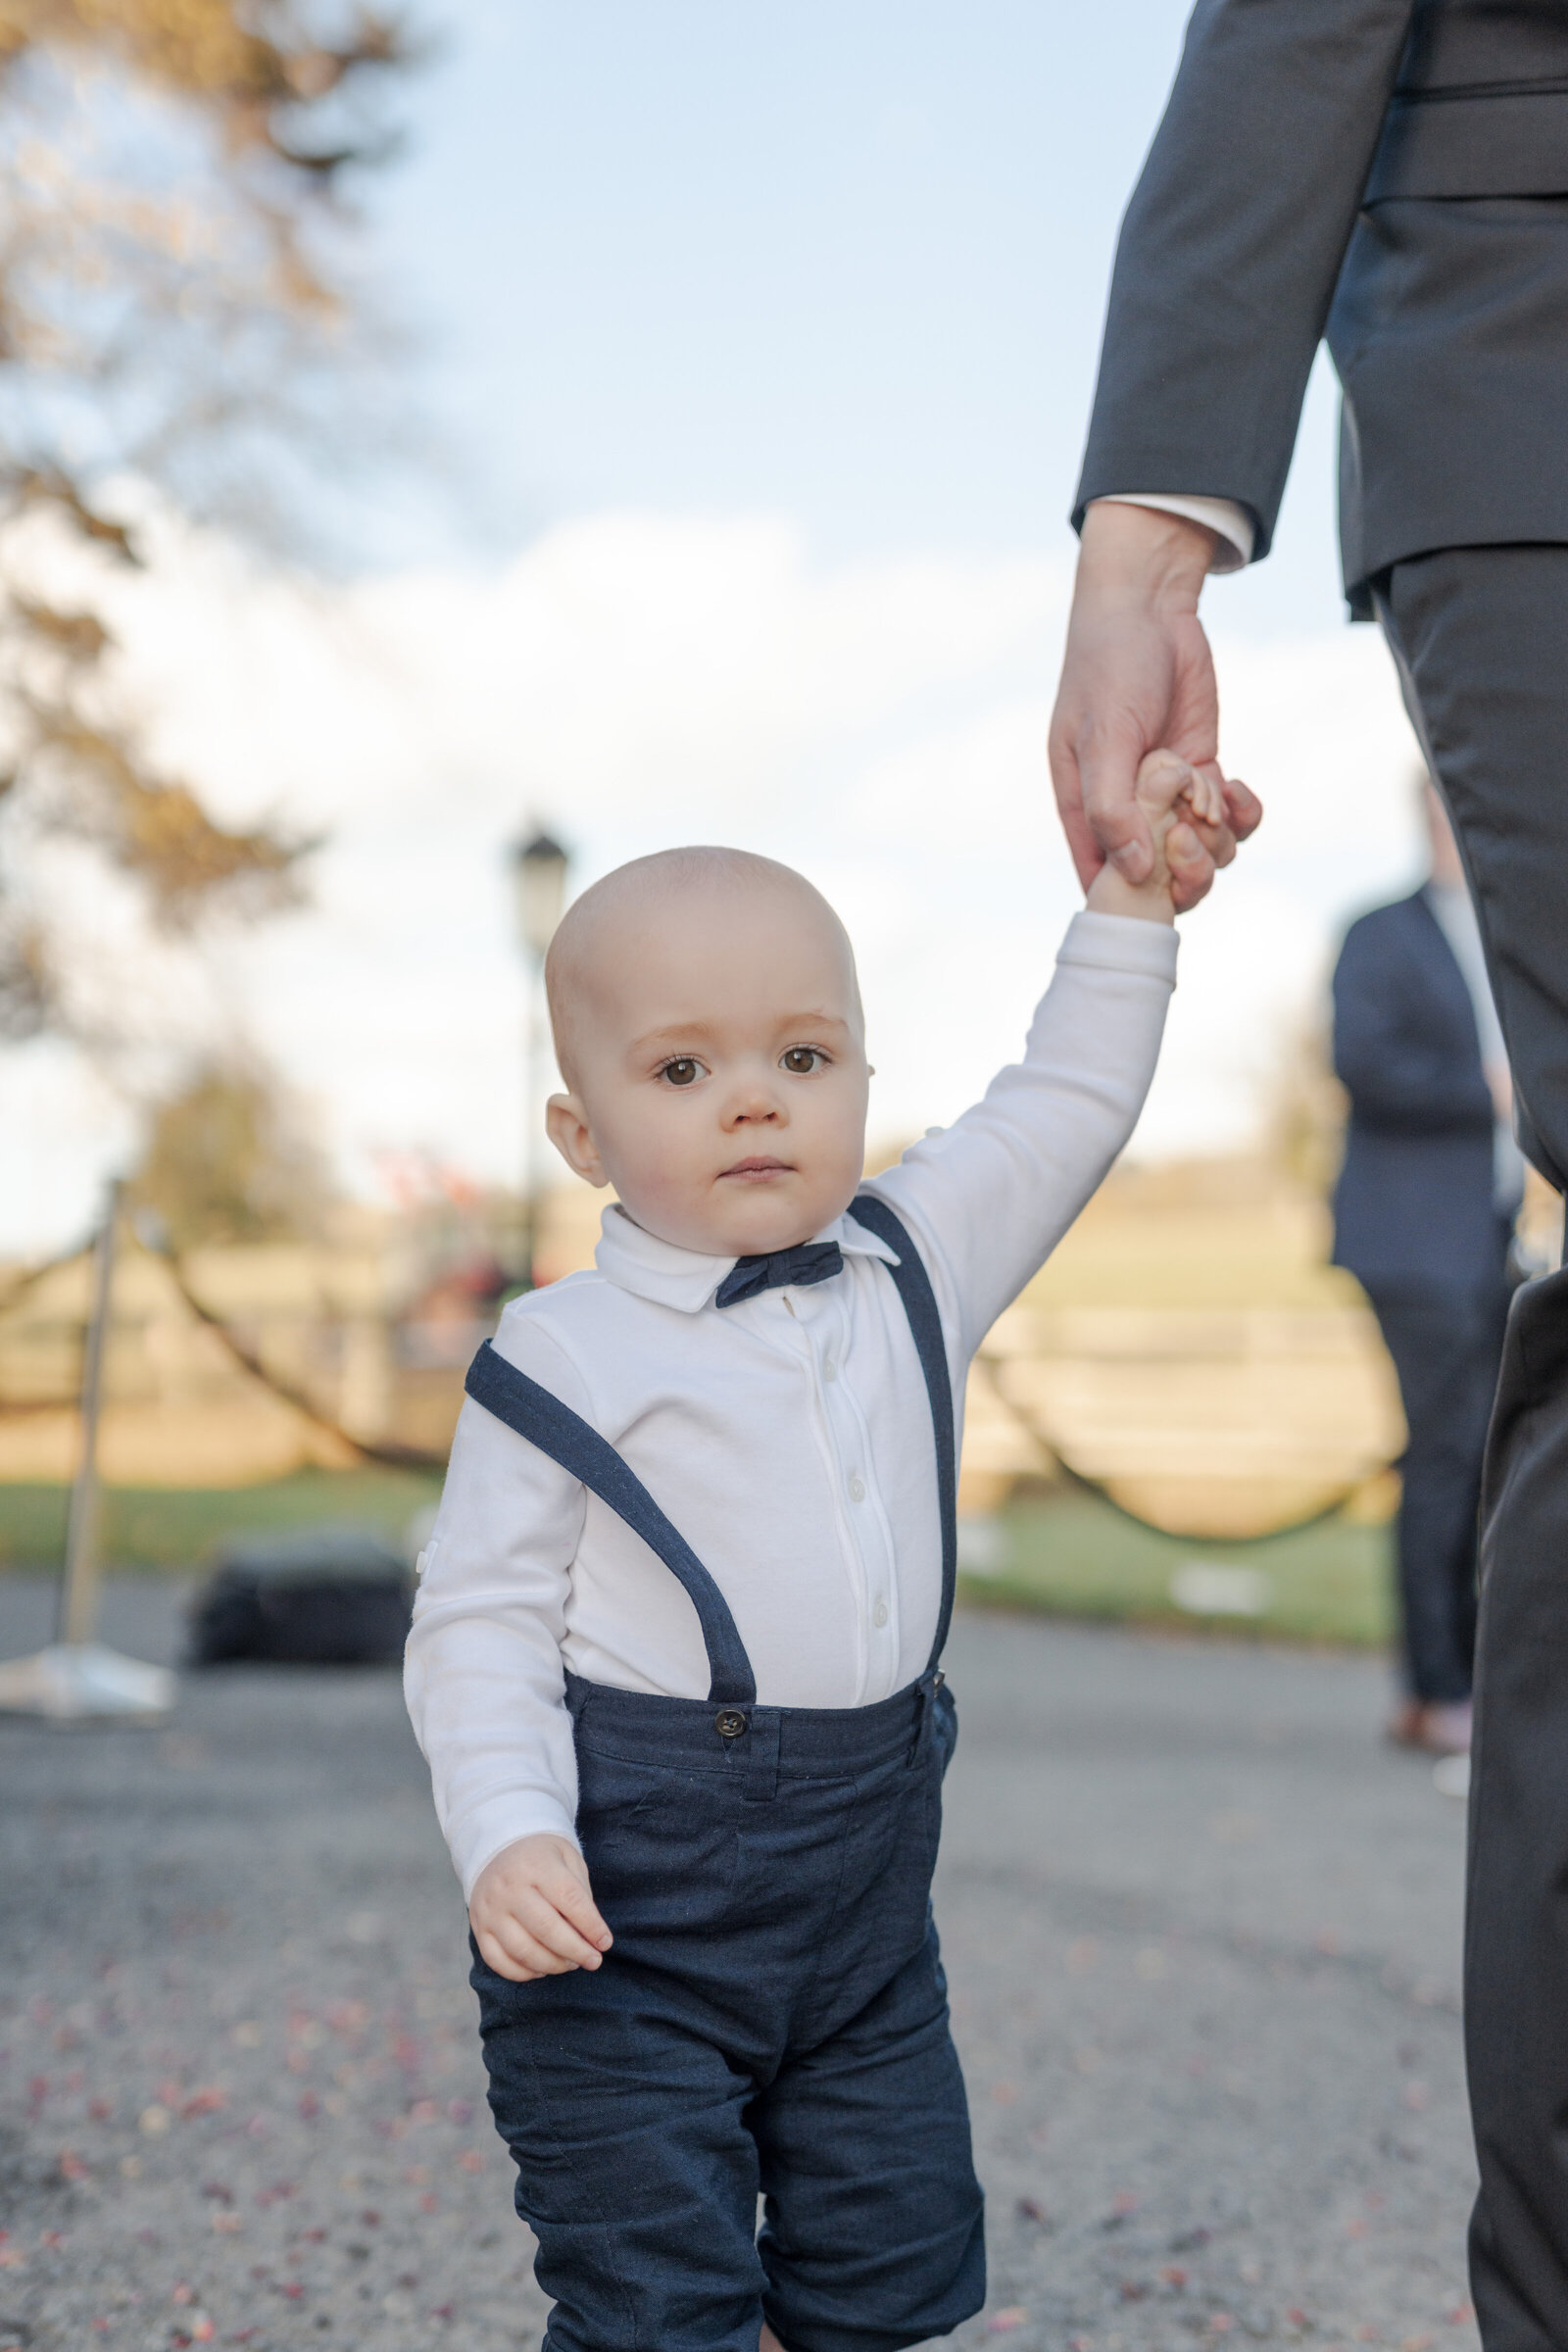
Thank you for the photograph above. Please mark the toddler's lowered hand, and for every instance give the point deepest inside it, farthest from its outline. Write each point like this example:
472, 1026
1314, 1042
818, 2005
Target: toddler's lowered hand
532, 1913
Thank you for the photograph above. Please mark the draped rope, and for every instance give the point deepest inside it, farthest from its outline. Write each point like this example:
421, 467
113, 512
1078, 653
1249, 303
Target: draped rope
415, 1457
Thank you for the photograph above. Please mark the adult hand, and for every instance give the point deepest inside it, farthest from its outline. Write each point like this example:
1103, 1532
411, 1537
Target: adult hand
1138, 676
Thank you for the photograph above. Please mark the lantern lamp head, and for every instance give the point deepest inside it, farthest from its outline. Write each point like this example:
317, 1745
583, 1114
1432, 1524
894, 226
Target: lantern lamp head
539, 888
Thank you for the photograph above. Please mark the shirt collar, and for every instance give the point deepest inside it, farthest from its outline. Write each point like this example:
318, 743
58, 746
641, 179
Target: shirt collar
669, 1276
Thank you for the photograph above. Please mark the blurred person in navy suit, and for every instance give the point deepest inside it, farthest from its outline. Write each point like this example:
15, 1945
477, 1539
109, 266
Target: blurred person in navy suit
1423, 1216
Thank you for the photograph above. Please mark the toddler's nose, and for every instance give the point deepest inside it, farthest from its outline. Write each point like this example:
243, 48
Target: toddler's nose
756, 1106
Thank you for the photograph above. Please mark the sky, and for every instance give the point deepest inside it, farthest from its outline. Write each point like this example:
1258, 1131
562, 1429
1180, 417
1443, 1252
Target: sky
754, 350
843, 263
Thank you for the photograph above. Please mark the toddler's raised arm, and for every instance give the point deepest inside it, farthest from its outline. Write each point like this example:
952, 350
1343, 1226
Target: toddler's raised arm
989, 1196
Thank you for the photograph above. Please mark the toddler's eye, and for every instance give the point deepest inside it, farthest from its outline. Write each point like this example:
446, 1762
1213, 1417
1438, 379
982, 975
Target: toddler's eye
801, 1060
682, 1071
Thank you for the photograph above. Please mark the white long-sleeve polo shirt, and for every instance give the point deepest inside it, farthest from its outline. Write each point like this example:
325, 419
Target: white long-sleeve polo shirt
788, 1436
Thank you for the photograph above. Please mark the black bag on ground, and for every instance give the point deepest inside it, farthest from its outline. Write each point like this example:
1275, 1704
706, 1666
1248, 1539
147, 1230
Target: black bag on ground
332, 1595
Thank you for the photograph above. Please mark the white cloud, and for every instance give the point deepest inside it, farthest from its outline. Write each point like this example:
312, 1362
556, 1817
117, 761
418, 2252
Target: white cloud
637, 680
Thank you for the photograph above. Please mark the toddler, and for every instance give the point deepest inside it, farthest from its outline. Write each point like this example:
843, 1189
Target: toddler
675, 1654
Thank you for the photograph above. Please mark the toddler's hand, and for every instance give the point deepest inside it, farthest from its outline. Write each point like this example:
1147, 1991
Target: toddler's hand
1186, 809
532, 1913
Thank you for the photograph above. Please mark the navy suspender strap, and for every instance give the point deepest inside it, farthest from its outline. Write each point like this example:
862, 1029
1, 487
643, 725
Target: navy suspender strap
919, 1301
540, 1417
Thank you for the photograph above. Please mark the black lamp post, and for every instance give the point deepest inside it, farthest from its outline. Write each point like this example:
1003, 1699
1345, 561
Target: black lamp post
539, 893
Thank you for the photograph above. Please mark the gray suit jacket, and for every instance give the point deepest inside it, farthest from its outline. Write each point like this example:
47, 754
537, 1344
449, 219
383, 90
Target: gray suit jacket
1392, 172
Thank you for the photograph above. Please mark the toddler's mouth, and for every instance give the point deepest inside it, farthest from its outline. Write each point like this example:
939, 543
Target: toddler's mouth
755, 1169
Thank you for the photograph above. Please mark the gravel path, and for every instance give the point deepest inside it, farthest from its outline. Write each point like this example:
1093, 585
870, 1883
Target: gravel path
1202, 1937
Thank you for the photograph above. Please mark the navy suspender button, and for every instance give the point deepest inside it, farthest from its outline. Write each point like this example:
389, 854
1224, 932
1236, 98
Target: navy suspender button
729, 1723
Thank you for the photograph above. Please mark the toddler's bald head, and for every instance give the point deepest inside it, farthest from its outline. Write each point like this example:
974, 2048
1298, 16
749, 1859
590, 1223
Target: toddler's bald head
709, 1027
628, 929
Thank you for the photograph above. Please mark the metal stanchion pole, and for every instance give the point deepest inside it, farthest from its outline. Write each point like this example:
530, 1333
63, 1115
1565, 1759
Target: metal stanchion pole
78, 1619
78, 1676
530, 1139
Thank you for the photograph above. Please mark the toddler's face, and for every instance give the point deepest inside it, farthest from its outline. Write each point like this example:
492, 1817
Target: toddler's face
718, 1069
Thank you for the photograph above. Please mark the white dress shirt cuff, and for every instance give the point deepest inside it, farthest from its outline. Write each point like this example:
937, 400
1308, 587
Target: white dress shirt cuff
1233, 528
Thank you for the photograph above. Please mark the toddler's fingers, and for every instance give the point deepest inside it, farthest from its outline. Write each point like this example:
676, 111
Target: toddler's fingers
1163, 776
538, 1915
1206, 798
494, 1954
531, 1942
1218, 840
1191, 868
575, 1901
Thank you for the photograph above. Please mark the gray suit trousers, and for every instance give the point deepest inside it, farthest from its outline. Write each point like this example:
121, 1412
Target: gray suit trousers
1480, 635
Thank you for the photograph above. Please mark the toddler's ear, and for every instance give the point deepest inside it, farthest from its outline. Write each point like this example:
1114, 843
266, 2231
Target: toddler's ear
566, 1126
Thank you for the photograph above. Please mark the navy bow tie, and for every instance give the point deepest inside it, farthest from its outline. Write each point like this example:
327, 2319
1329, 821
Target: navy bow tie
809, 1261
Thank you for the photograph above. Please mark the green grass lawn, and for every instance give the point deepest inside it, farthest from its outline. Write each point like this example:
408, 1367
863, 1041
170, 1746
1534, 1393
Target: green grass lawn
1074, 1555
1077, 1557
177, 1527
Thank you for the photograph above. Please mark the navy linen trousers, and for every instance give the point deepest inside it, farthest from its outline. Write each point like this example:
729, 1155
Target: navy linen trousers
772, 2017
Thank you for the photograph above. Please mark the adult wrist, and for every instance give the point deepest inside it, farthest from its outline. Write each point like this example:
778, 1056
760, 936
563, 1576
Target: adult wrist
1144, 555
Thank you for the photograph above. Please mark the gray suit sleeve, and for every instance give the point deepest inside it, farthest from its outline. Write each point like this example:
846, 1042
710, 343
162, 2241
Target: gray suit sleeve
1232, 244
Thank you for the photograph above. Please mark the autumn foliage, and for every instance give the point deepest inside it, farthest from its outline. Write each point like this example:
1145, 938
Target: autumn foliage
178, 303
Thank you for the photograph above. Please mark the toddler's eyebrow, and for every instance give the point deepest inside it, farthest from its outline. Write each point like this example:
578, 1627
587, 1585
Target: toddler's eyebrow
676, 1033
697, 1033
794, 1023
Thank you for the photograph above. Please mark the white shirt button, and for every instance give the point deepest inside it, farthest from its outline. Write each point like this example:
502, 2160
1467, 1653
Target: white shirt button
879, 1615
830, 1370
856, 1489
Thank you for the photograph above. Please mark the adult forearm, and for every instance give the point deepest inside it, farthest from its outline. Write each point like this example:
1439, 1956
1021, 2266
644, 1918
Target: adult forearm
1140, 557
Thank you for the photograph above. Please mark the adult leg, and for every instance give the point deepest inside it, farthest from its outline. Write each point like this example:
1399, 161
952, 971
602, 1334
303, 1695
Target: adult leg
1444, 1344
1481, 637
